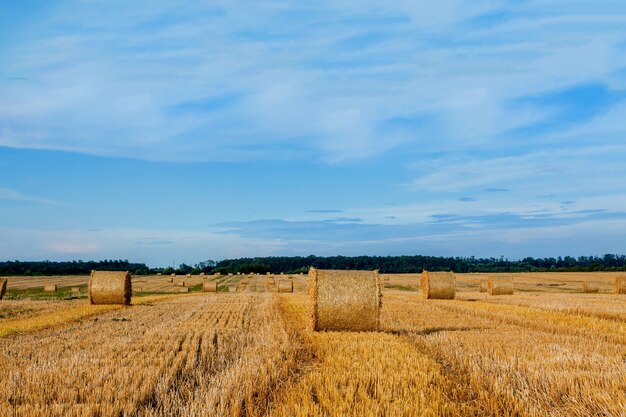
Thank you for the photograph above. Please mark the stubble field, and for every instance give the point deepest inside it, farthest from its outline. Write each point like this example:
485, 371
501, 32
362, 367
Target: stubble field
547, 350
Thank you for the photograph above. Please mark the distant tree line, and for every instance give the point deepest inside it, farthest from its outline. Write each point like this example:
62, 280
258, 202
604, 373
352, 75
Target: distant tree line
296, 264
418, 263
69, 267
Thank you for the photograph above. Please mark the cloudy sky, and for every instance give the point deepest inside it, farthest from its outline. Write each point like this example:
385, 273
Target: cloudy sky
182, 131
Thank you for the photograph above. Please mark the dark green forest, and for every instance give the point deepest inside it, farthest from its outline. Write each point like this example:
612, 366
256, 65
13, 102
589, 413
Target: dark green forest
296, 264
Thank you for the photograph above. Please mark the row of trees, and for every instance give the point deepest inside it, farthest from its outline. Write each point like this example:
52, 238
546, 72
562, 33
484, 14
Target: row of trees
296, 264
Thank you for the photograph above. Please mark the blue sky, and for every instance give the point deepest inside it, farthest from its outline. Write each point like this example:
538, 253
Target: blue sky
162, 132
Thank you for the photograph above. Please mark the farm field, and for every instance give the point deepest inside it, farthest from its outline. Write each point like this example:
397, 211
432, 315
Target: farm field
547, 350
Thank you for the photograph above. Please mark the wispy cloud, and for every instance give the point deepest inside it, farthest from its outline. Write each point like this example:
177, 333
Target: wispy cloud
8, 194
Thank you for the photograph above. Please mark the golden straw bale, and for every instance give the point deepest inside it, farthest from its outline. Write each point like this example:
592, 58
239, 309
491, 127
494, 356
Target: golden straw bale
209, 286
345, 300
500, 285
230, 274
438, 285
188, 275
232, 288
110, 287
180, 284
483, 285
620, 285
285, 285
185, 289
158, 274
590, 287
50, 288
170, 280
3, 287
173, 275
201, 274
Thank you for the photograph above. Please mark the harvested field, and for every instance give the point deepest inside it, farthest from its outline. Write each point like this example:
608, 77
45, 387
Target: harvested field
533, 353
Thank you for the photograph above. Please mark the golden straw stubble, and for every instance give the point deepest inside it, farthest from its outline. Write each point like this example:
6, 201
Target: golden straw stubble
501, 285
110, 287
345, 300
438, 285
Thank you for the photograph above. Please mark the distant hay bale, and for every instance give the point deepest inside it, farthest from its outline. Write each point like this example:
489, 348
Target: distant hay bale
500, 285
158, 274
271, 281
267, 273
230, 274
201, 274
50, 288
590, 287
110, 287
483, 285
620, 285
3, 287
232, 288
209, 286
173, 275
181, 284
437, 285
170, 279
345, 300
188, 275
185, 289
285, 286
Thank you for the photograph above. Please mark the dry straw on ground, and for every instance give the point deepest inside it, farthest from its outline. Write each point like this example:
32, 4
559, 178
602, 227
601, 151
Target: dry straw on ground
620, 285
483, 285
438, 285
209, 286
50, 288
3, 287
185, 289
75, 289
110, 287
501, 285
590, 287
345, 300
285, 286
232, 288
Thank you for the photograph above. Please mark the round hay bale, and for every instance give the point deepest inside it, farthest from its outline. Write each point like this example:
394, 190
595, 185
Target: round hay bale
483, 285
3, 287
173, 275
230, 274
209, 286
620, 285
110, 287
180, 284
285, 285
170, 280
437, 285
500, 285
201, 274
158, 274
50, 288
267, 273
188, 275
590, 287
185, 289
345, 300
